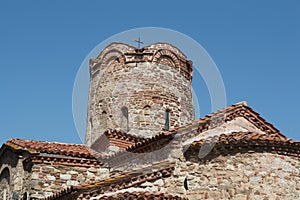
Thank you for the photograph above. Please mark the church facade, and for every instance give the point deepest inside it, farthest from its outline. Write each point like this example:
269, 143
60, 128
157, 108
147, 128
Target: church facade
142, 141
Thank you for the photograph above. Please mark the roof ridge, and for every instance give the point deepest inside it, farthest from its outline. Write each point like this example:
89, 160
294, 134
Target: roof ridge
146, 141
41, 141
143, 193
245, 141
50, 148
230, 113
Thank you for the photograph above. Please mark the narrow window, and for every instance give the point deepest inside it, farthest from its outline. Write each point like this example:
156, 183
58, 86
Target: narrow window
124, 119
185, 184
4, 182
167, 122
147, 109
103, 121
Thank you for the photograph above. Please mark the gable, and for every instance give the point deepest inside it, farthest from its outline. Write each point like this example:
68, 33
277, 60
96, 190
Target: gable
238, 124
236, 118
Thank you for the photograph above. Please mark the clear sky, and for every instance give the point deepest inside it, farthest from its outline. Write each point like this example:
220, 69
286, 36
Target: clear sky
255, 44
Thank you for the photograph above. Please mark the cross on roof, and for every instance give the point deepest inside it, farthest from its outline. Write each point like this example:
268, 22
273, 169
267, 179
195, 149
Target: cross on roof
139, 42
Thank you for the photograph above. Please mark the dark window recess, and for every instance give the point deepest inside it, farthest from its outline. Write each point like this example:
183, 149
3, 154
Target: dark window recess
25, 196
185, 183
167, 123
147, 110
124, 120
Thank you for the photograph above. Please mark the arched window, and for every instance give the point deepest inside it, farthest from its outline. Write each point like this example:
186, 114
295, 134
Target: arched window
124, 119
167, 119
4, 183
103, 120
146, 110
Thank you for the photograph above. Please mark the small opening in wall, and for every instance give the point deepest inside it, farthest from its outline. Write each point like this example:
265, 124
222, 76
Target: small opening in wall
25, 196
124, 119
147, 110
4, 183
167, 119
185, 184
103, 120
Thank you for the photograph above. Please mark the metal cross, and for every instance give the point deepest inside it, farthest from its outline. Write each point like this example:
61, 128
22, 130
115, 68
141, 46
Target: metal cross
139, 42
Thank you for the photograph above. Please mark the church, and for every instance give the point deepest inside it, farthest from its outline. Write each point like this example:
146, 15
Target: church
143, 143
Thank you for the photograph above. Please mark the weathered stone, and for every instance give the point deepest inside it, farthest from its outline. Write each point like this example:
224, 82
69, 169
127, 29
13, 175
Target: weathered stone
90, 175
255, 179
65, 176
51, 178
73, 172
71, 182
159, 183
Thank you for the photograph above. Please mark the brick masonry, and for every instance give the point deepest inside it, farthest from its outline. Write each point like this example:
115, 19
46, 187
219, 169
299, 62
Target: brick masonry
131, 89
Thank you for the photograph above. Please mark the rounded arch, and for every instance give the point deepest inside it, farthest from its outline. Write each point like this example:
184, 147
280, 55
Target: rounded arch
4, 183
113, 54
147, 110
164, 45
166, 56
5, 174
147, 102
115, 46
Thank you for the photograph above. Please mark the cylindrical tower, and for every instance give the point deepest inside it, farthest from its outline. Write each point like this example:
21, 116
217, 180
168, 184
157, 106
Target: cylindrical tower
140, 91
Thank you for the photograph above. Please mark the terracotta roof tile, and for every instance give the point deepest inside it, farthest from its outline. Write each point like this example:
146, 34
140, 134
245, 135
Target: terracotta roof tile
127, 142
244, 137
196, 127
227, 114
141, 195
244, 142
146, 146
115, 138
72, 150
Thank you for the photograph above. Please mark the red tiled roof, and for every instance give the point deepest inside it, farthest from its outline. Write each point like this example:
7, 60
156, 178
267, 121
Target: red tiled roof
217, 118
115, 138
33, 146
55, 153
69, 194
146, 146
246, 141
141, 195
198, 126
244, 137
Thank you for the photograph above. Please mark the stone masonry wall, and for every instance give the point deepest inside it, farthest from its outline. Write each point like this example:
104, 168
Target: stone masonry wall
242, 176
47, 179
132, 93
13, 175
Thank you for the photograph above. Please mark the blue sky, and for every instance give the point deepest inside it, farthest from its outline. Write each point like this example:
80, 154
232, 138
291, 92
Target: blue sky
256, 46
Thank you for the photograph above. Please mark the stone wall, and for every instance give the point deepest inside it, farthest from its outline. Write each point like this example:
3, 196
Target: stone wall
4, 184
47, 179
131, 91
13, 175
242, 176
